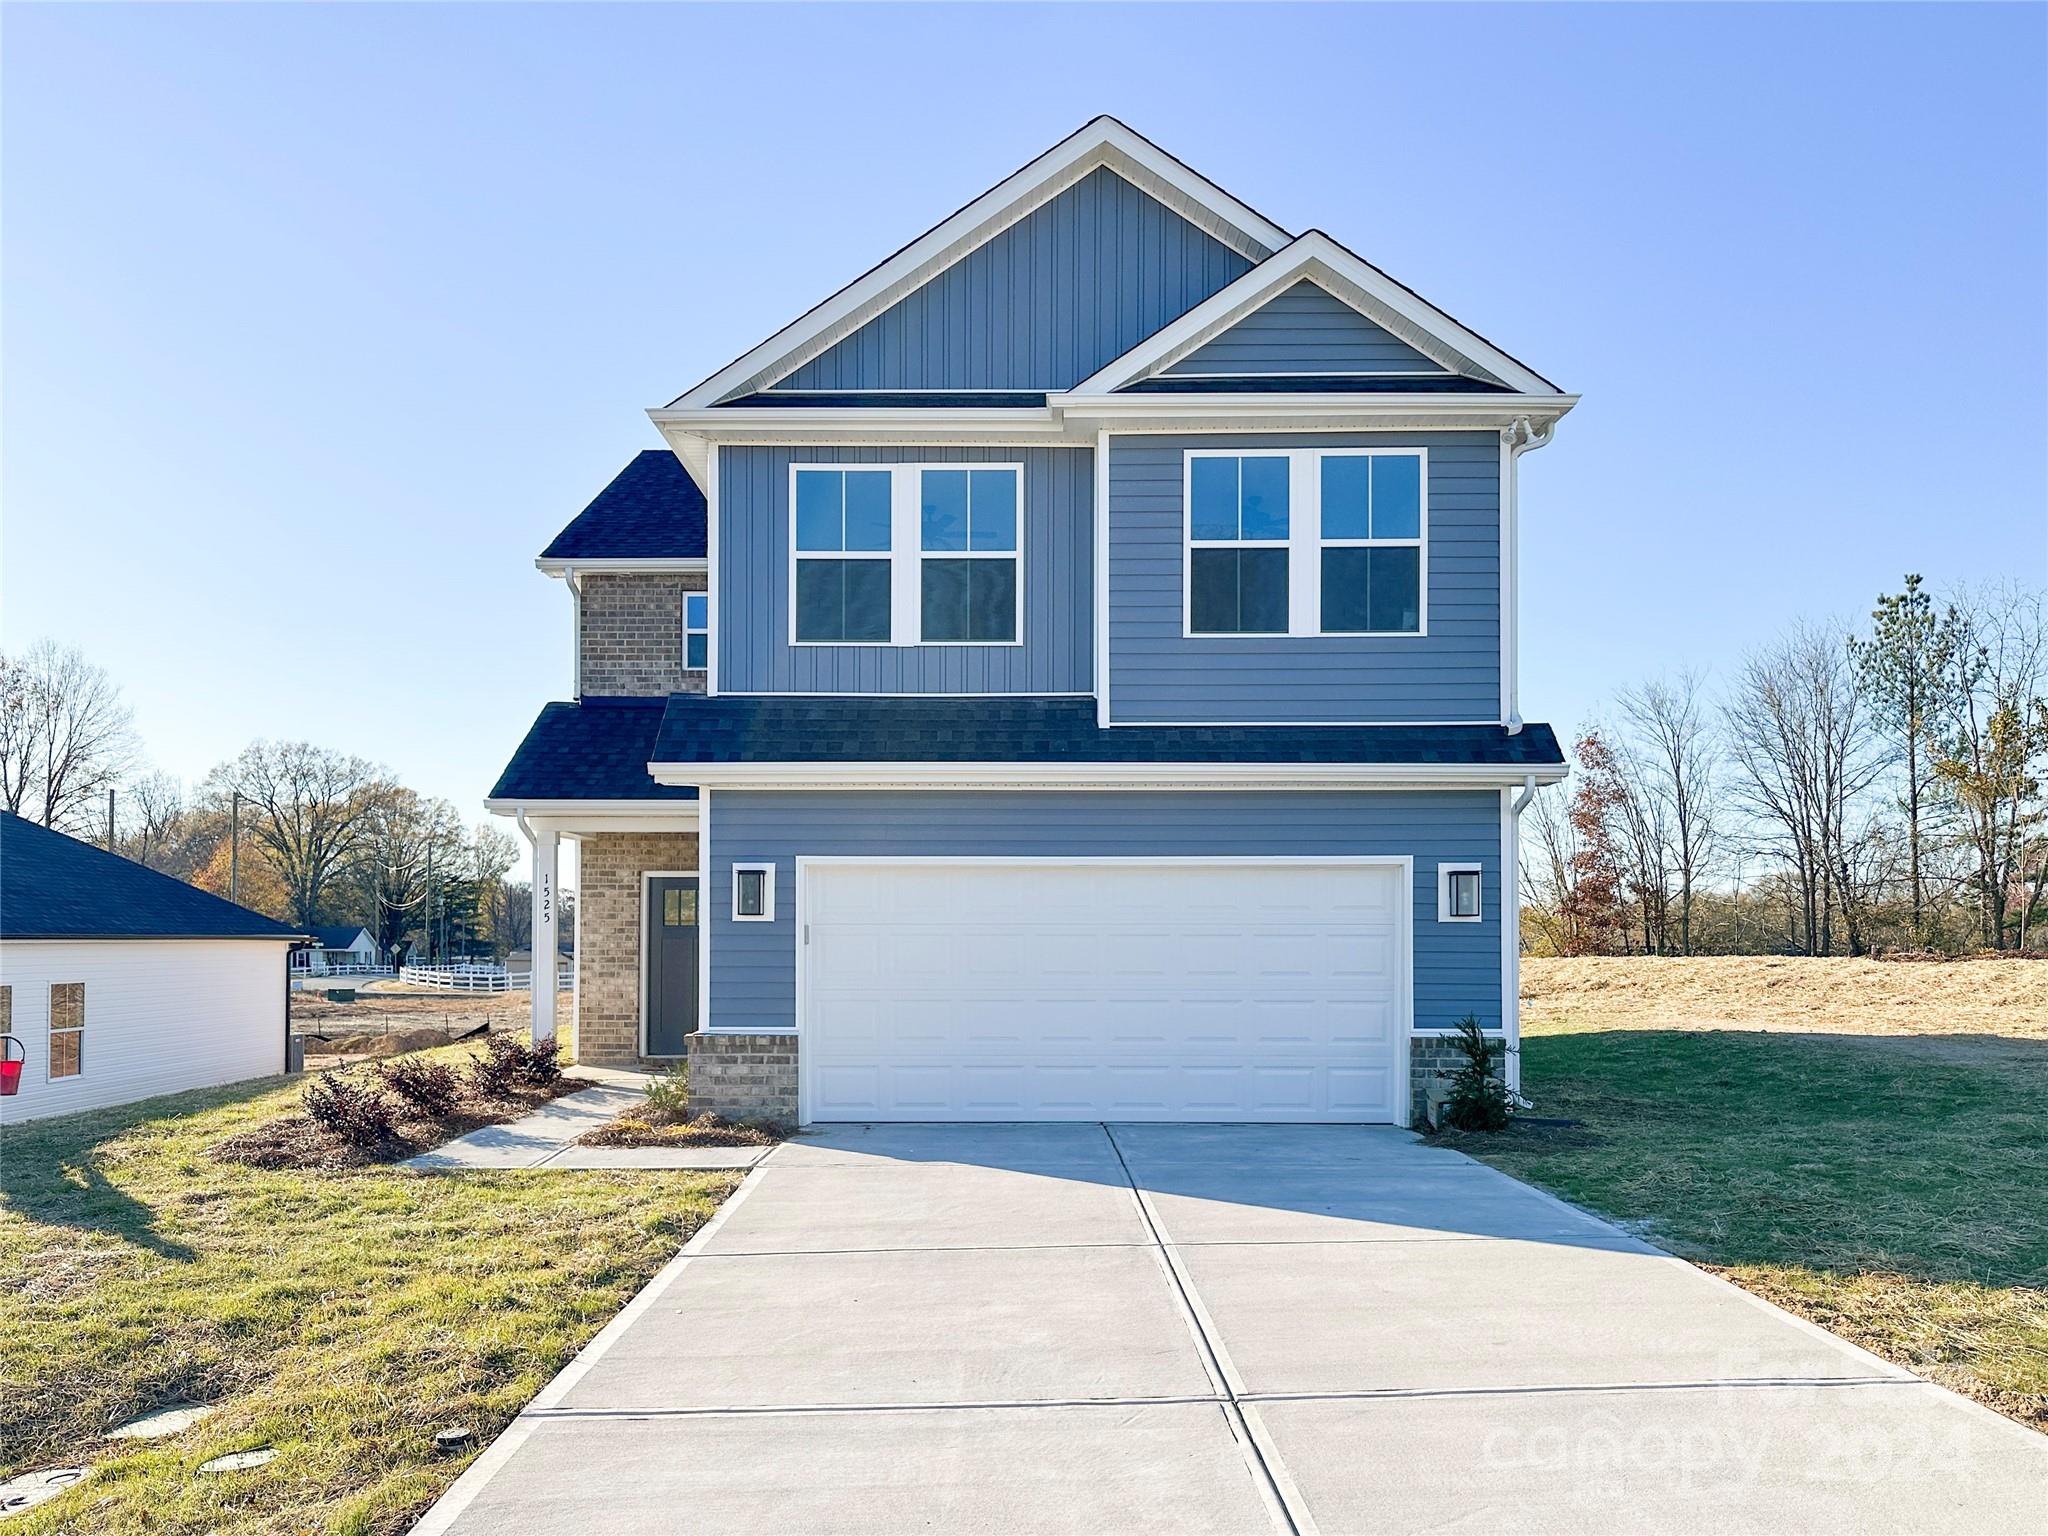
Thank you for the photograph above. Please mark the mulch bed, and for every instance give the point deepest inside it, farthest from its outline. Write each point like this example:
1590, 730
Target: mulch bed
640, 1129
296, 1141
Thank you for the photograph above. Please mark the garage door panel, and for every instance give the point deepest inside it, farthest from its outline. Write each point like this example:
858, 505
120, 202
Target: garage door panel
1144, 992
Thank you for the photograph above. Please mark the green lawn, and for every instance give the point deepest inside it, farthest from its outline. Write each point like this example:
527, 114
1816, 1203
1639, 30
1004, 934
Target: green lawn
341, 1317
1893, 1190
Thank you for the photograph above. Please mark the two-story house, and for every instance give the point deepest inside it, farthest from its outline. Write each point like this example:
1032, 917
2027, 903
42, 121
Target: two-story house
1069, 673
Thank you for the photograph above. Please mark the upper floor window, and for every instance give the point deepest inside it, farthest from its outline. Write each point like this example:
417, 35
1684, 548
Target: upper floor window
907, 554
1307, 542
846, 515
696, 630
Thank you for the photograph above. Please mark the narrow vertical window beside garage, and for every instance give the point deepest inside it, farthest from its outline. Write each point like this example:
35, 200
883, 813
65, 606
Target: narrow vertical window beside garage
753, 893
1458, 893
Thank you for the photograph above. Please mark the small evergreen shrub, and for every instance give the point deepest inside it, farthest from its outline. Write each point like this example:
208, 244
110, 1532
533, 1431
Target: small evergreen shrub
352, 1109
431, 1087
540, 1064
1478, 1100
668, 1096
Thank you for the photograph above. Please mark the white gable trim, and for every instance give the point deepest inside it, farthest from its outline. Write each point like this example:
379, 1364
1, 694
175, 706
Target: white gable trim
1105, 142
1346, 276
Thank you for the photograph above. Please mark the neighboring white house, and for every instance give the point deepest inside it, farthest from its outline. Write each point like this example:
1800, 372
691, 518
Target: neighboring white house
120, 983
336, 952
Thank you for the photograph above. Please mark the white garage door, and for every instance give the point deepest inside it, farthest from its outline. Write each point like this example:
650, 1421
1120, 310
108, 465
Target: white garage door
1113, 991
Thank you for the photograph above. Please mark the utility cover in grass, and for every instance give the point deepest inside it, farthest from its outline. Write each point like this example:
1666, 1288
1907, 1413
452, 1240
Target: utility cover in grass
164, 1421
31, 1488
238, 1461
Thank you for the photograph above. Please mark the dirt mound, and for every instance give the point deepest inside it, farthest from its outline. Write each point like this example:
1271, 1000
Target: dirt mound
2003, 996
395, 1043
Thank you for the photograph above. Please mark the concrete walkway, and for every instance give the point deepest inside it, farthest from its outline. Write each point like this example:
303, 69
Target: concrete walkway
545, 1138
1214, 1329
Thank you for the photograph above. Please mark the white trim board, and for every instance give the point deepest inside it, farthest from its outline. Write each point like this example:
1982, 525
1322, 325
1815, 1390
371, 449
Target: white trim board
1102, 142
1346, 276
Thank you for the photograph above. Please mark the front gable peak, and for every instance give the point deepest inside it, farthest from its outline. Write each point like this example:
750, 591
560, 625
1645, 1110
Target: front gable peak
1224, 238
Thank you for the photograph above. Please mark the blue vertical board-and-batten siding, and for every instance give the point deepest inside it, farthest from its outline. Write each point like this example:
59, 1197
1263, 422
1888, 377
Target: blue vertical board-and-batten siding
1305, 329
753, 965
1158, 674
1042, 305
754, 651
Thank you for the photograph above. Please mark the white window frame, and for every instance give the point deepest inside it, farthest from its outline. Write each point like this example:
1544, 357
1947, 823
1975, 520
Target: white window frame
703, 629
906, 553
767, 912
51, 1032
1444, 872
1304, 544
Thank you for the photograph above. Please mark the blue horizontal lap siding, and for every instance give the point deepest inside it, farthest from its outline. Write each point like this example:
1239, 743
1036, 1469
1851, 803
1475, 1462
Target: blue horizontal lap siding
1306, 329
754, 653
1158, 674
753, 965
1066, 289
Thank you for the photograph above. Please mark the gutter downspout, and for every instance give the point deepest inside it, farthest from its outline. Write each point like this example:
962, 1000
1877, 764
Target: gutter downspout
575, 584
1511, 936
1515, 441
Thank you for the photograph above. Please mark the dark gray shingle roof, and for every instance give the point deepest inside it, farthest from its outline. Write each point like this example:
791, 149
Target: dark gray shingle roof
736, 729
594, 750
55, 887
652, 510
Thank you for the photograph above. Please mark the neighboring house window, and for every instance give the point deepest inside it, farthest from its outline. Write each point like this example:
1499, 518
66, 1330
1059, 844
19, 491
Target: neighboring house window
1457, 893
967, 578
1237, 544
696, 630
907, 554
753, 893
845, 514
67, 1028
1307, 542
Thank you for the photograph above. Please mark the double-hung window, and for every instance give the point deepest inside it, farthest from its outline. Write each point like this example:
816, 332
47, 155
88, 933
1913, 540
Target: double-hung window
1371, 510
967, 535
1238, 519
844, 529
1307, 542
907, 554
696, 631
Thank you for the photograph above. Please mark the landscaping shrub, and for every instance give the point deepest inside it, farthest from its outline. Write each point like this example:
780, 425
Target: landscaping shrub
352, 1109
668, 1096
1478, 1100
431, 1087
509, 1064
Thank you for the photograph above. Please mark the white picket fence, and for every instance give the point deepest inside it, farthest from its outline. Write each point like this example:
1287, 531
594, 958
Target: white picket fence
477, 978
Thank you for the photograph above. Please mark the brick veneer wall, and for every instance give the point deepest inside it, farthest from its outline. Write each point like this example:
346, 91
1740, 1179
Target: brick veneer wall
1429, 1055
608, 936
744, 1077
632, 639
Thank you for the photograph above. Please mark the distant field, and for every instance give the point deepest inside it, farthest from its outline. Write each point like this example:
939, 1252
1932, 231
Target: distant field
1863, 1143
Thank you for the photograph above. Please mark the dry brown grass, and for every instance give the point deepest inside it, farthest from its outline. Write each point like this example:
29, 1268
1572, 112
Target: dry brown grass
1862, 997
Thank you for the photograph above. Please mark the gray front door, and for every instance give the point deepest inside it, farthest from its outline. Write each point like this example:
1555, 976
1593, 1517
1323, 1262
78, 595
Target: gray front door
671, 963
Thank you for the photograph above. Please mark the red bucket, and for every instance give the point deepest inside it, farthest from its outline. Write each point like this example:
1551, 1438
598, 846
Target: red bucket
10, 1066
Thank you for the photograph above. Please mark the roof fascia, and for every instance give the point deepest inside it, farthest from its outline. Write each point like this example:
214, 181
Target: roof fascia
1105, 775
577, 566
1102, 142
1350, 278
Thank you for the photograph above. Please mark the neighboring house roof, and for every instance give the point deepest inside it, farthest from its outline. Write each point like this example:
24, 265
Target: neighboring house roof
734, 728
652, 510
597, 749
55, 887
341, 938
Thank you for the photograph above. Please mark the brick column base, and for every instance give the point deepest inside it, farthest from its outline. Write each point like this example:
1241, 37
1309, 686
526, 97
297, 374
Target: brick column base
1429, 1056
743, 1077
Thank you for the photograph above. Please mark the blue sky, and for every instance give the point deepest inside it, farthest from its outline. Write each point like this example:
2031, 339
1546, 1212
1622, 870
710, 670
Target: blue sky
319, 321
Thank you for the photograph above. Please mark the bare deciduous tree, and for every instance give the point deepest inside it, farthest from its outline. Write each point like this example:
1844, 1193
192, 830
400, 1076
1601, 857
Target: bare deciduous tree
65, 735
1677, 764
312, 808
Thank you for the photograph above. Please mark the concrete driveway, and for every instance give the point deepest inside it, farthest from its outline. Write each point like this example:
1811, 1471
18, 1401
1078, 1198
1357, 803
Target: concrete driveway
1192, 1329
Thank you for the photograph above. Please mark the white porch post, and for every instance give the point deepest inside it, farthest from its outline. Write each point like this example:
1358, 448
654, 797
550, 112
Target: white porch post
546, 921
